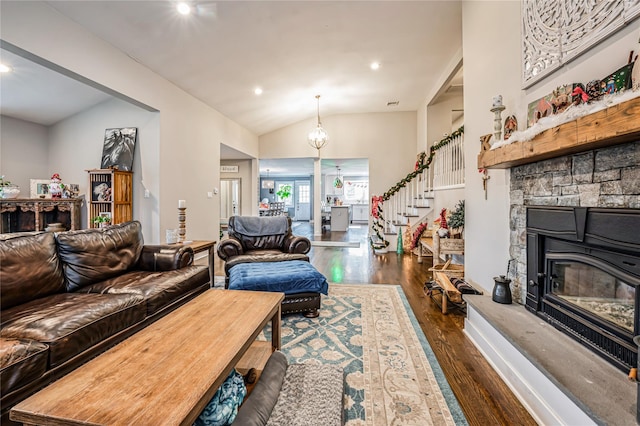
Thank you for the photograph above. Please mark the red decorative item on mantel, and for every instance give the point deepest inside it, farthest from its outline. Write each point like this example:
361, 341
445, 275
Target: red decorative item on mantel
56, 187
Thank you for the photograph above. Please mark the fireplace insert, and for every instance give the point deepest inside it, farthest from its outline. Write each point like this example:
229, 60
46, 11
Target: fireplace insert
583, 274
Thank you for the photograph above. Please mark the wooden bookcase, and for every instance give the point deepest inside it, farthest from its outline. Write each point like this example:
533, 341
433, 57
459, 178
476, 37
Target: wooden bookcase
110, 191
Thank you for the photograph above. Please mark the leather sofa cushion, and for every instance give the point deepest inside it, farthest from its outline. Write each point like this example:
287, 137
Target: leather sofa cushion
92, 255
158, 289
29, 268
21, 361
71, 323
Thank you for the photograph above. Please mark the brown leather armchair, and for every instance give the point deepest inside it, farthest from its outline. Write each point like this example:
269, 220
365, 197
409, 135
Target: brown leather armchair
261, 239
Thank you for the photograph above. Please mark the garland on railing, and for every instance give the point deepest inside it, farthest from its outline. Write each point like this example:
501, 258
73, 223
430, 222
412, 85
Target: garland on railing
376, 212
421, 165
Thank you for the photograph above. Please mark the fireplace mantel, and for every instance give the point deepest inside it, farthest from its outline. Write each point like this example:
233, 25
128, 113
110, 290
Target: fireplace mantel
615, 125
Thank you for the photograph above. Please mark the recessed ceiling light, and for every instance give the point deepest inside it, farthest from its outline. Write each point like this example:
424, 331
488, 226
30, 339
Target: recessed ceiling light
5, 68
183, 8
375, 65
258, 91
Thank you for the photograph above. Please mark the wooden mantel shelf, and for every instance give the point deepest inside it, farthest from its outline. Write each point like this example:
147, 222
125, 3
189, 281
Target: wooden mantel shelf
614, 125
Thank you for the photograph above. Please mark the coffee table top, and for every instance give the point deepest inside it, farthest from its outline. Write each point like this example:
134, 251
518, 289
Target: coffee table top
164, 374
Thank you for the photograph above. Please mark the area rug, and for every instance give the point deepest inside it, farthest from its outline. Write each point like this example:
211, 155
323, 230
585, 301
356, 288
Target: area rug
335, 244
391, 374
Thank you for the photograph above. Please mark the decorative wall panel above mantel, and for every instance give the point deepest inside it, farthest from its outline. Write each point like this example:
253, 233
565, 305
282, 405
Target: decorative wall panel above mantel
615, 125
555, 32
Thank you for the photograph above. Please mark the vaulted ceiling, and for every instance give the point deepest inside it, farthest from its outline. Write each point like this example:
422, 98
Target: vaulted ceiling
292, 50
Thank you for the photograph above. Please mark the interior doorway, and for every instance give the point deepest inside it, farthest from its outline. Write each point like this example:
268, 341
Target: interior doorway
230, 198
302, 199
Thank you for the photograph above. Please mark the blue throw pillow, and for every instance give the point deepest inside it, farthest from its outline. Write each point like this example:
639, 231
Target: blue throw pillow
223, 407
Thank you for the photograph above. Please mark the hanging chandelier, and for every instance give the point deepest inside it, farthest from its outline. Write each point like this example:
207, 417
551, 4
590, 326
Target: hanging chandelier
338, 182
318, 137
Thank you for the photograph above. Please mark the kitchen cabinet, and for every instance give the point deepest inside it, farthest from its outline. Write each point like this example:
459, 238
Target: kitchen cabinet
360, 212
339, 218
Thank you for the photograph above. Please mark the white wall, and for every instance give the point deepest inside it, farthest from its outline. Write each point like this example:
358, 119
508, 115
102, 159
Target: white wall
76, 146
24, 152
190, 131
440, 119
388, 140
491, 66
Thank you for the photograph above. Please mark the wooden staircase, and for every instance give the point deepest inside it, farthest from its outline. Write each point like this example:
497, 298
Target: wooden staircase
408, 201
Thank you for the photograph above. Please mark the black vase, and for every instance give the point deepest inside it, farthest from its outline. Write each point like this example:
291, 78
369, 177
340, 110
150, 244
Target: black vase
501, 290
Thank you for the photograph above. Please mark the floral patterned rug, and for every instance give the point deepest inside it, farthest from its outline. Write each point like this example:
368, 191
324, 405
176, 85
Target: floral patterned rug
391, 374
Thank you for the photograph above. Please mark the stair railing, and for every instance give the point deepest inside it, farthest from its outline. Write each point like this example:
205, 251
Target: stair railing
411, 192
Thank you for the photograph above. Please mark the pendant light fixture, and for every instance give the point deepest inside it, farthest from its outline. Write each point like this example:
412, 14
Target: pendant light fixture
268, 183
318, 137
338, 181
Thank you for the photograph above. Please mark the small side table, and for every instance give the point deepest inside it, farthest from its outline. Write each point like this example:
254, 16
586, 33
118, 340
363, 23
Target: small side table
203, 245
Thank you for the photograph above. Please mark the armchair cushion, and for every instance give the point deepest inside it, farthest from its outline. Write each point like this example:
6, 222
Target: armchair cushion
256, 226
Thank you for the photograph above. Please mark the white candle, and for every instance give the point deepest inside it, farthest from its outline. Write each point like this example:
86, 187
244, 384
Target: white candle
497, 100
182, 204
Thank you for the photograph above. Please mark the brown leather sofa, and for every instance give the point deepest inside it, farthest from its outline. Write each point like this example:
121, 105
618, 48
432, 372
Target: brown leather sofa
67, 297
261, 239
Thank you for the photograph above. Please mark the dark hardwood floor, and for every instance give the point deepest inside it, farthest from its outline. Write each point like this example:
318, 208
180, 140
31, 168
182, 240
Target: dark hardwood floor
483, 396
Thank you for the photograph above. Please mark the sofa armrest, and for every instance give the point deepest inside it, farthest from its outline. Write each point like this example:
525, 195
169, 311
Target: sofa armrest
296, 244
165, 257
229, 248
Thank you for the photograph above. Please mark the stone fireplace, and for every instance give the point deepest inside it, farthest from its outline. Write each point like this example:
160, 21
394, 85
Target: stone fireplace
556, 193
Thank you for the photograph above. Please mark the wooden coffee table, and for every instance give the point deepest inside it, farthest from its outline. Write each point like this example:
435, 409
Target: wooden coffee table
166, 373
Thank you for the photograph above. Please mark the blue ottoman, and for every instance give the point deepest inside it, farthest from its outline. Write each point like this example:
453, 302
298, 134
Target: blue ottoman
298, 280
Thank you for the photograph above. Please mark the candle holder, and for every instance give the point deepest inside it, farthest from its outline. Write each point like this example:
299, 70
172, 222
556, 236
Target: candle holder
182, 223
497, 121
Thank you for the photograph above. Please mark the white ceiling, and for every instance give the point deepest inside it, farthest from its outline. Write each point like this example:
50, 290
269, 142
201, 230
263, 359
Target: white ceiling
292, 49
37, 94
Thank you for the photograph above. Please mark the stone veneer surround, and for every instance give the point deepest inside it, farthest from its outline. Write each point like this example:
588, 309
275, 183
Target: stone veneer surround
607, 177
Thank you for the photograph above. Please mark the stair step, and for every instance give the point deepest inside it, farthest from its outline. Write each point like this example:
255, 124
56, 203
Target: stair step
410, 215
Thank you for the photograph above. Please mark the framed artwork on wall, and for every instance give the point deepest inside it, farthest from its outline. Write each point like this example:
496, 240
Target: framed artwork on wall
118, 148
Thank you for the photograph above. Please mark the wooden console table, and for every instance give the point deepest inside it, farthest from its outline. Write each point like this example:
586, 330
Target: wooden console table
166, 373
203, 245
34, 214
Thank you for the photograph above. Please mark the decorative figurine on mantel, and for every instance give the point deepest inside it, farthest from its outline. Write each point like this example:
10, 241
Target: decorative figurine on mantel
56, 186
510, 126
497, 117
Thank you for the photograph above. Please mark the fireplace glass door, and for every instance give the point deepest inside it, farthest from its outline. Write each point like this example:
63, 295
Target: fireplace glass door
594, 291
